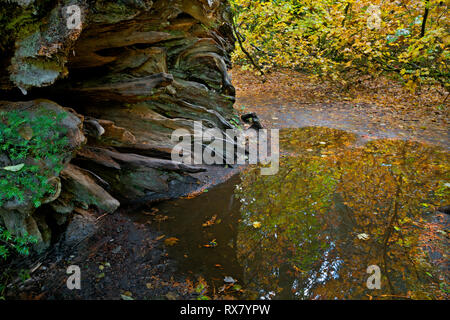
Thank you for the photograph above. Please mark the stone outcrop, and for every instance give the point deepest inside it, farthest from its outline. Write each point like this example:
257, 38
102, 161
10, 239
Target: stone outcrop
129, 74
17, 214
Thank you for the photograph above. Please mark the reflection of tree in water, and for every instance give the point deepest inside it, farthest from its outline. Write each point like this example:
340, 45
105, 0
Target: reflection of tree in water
313, 210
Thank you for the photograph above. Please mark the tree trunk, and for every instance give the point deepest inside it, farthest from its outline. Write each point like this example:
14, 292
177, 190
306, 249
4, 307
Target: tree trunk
425, 17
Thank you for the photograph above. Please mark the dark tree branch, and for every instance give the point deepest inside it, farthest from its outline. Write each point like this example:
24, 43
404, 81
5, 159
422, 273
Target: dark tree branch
425, 17
245, 51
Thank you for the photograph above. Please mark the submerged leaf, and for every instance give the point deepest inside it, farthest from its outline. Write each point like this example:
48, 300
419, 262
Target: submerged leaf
171, 241
229, 280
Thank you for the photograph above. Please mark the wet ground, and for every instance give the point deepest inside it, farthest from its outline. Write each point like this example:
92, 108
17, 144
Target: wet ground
366, 120
373, 107
122, 260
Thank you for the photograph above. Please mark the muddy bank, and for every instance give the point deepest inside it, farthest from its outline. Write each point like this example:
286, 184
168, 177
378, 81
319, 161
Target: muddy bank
119, 256
119, 259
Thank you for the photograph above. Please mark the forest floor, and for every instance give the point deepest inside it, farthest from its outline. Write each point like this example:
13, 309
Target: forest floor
374, 108
128, 260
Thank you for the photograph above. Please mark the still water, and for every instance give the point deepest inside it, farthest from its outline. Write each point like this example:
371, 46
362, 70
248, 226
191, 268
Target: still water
336, 207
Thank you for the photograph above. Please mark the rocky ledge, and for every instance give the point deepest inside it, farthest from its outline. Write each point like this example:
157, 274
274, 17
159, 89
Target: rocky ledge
127, 75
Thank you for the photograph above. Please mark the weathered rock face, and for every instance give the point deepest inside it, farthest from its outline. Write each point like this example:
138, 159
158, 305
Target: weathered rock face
133, 72
17, 214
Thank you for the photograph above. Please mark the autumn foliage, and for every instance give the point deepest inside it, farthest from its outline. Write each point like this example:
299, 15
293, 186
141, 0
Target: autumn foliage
341, 39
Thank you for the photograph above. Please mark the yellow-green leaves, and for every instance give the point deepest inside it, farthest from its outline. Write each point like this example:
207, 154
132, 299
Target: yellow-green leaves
333, 38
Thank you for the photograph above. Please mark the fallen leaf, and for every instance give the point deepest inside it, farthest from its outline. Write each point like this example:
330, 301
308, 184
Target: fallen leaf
211, 244
151, 213
237, 287
171, 241
363, 236
160, 237
160, 218
14, 168
210, 222
171, 296
256, 224
229, 280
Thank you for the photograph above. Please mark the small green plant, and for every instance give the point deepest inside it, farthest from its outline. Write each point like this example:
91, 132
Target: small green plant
35, 145
20, 245
17, 245
200, 290
24, 275
235, 121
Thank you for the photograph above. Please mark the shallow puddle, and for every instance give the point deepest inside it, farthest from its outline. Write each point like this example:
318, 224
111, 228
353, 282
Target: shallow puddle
312, 230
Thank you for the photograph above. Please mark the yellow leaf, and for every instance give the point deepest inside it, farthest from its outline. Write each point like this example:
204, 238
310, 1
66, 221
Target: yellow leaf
171, 241
256, 224
160, 237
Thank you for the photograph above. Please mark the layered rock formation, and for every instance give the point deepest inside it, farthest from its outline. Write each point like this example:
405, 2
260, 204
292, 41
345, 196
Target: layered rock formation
130, 72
